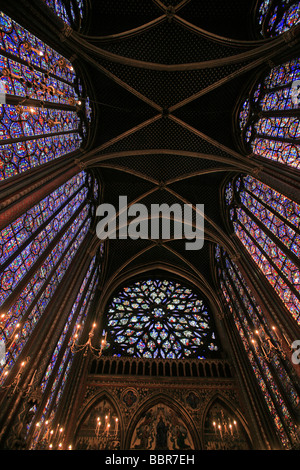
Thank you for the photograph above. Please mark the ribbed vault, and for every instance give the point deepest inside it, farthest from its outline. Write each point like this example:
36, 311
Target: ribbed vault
166, 90
165, 78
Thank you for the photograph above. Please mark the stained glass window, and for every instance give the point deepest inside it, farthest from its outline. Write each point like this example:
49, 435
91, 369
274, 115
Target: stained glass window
14, 272
160, 318
268, 123
70, 12
40, 120
24, 312
36, 250
96, 189
267, 224
14, 235
67, 326
61, 377
59, 366
277, 16
44, 117
261, 346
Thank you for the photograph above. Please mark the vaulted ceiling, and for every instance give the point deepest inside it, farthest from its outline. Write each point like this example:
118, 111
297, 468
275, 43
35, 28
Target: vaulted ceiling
166, 77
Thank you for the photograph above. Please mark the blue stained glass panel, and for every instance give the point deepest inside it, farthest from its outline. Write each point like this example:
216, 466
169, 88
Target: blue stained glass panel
144, 307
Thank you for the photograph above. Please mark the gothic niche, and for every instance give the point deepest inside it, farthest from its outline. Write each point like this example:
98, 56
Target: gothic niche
100, 429
223, 430
160, 428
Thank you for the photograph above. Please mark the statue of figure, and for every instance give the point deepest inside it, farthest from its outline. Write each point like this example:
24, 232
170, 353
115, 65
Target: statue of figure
143, 433
161, 435
181, 437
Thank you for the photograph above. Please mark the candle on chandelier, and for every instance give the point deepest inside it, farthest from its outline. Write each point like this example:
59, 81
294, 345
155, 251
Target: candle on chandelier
261, 344
276, 334
236, 427
38, 425
98, 425
32, 379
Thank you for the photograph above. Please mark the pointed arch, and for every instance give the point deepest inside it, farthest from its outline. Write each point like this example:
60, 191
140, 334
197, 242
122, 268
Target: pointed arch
90, 411
238, 430
267, 120
177, 409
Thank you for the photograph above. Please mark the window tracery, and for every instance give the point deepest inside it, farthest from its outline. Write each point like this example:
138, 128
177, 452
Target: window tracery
268, 121
160, 318
71, 12
274, 17
44, 116
262, 347
267, 224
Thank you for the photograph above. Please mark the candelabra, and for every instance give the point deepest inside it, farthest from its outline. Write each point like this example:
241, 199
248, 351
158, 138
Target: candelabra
21, 109
268, 345
14, 337
14, 386
106, 431
225, 428
62, 64
88, 347
47, 437
51, 123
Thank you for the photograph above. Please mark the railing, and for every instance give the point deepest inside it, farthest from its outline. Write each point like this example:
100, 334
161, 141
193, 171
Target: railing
161, 367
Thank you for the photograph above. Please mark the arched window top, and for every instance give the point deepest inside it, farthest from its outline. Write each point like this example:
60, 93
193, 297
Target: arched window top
274, 17
267, 119
72, 12
160, 318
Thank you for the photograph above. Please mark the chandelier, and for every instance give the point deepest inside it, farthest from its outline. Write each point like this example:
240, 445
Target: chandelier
107, 431
51, 438
268, 345
225, 427
88, 347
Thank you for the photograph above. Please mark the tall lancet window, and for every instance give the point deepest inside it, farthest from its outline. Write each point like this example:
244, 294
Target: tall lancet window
44, 116
70, 11
274, 17
36, 251
59, 366
268, 118
267, 224
260, 340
